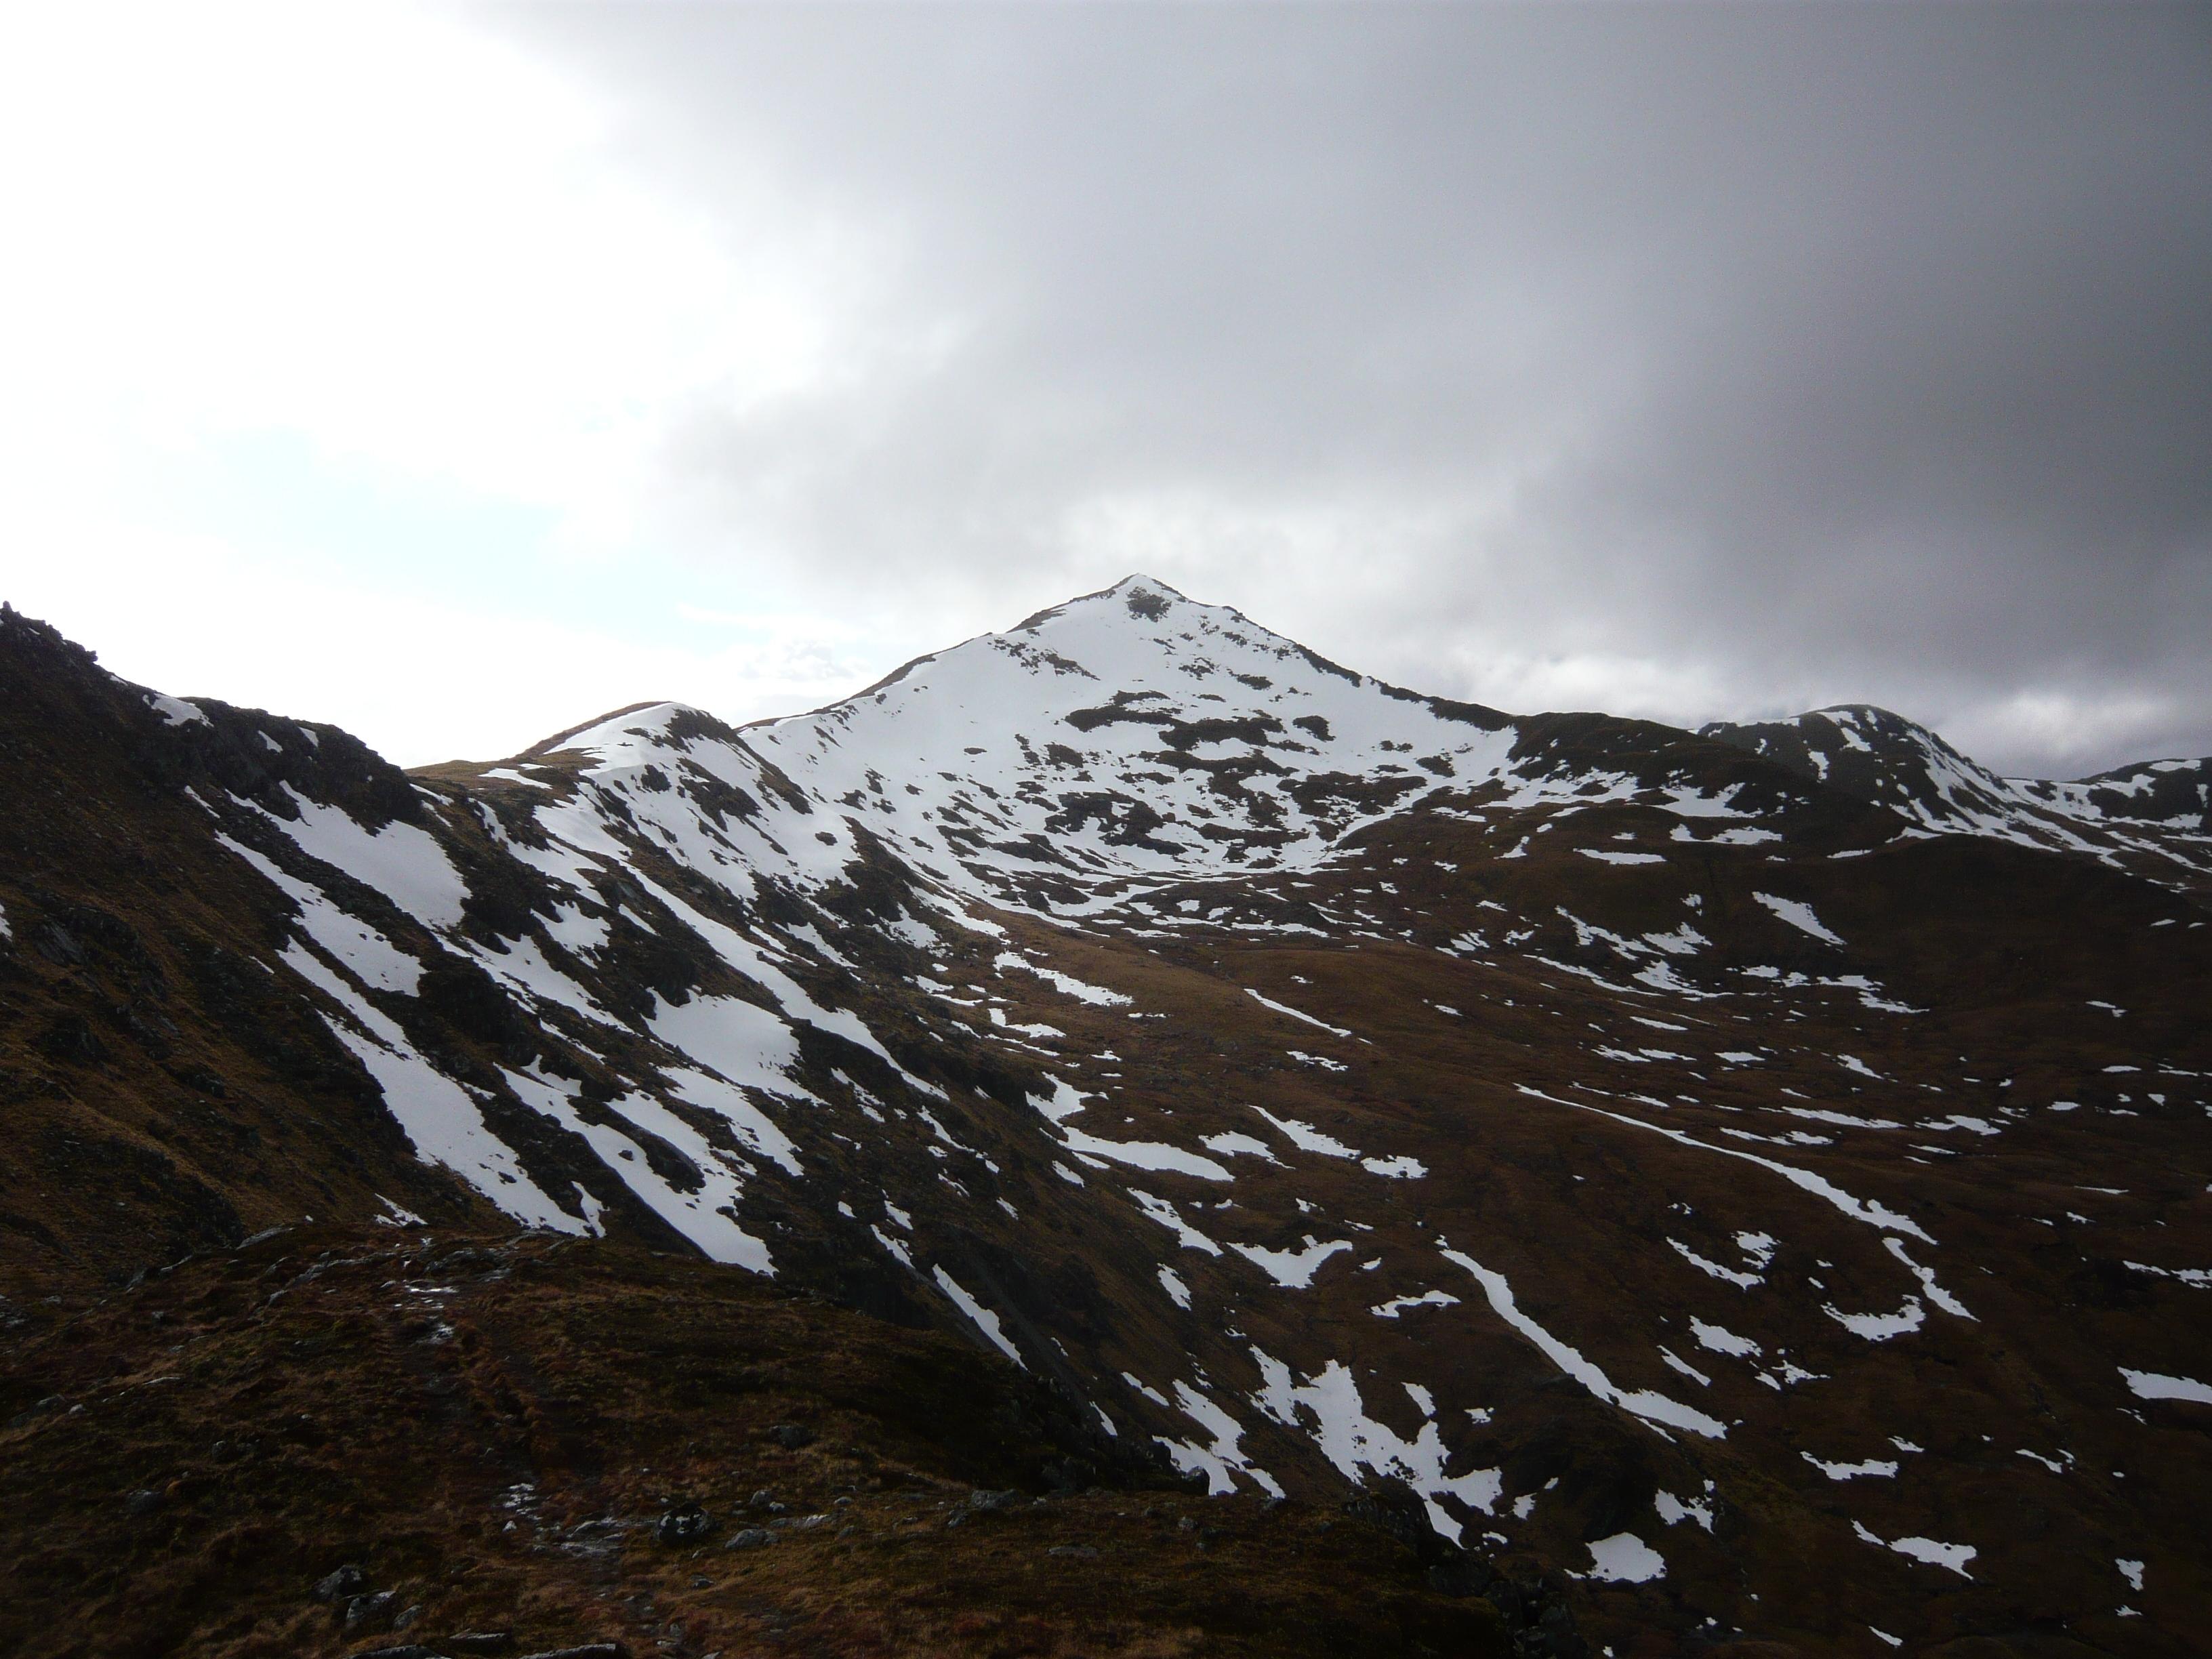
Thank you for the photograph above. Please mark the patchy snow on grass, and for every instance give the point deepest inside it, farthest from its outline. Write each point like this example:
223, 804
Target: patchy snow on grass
1306, 1137
2199, 1279
397, 1215
1159, 1209
1871, 995
1953, 1557
745, 1043
705, 1214
1066, 984
575, 931
524, 966
366, 954
1652, 1407
753, 1126
1742, 1281
1150, 1155
1397, 1305
1265, 1002
1220, 1460
441, 1120
1146, 1389
1065, 1102
1873, 1213
1329, 1407
749, 959
959, 917
1936, 1294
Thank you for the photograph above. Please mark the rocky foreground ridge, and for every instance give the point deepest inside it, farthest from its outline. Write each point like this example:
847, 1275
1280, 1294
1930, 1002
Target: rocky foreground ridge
1744, 1187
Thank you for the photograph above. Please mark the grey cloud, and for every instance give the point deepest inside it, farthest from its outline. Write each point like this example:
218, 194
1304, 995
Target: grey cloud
1850, 352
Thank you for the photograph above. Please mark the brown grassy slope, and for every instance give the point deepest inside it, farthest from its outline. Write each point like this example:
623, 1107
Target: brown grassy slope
160, 1091
2014, 960
491, 1429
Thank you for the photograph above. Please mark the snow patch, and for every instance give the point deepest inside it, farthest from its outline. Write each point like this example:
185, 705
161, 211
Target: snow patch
1625, 1559
1265, 1002
982, 1318
441, 1120
401, 860
1293, 1270
1652, 1407
175, 711
1799, 915
1878, 1327
2154, 1385
1328, 1403
1066, 984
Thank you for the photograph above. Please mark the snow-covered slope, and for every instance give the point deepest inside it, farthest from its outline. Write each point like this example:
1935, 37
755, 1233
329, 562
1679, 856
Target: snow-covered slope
2157, 814
1605, 1132
1125, 739
2174, 793
1131, 731
1885, 759
1133, 735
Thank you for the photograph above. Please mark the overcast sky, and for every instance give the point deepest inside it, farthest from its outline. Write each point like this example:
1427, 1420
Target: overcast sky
456, 373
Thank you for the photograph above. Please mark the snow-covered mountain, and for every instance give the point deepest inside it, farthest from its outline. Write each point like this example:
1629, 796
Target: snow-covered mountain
1125, 738
1131, 733
1664, 1154
2155, 815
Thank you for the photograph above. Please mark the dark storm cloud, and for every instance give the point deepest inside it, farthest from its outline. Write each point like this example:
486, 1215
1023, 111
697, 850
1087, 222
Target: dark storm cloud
1813, 353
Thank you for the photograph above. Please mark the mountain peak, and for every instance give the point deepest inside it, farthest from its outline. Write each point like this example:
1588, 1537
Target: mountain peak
1145, 598
1138, 582
1870, 713
1128, 731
